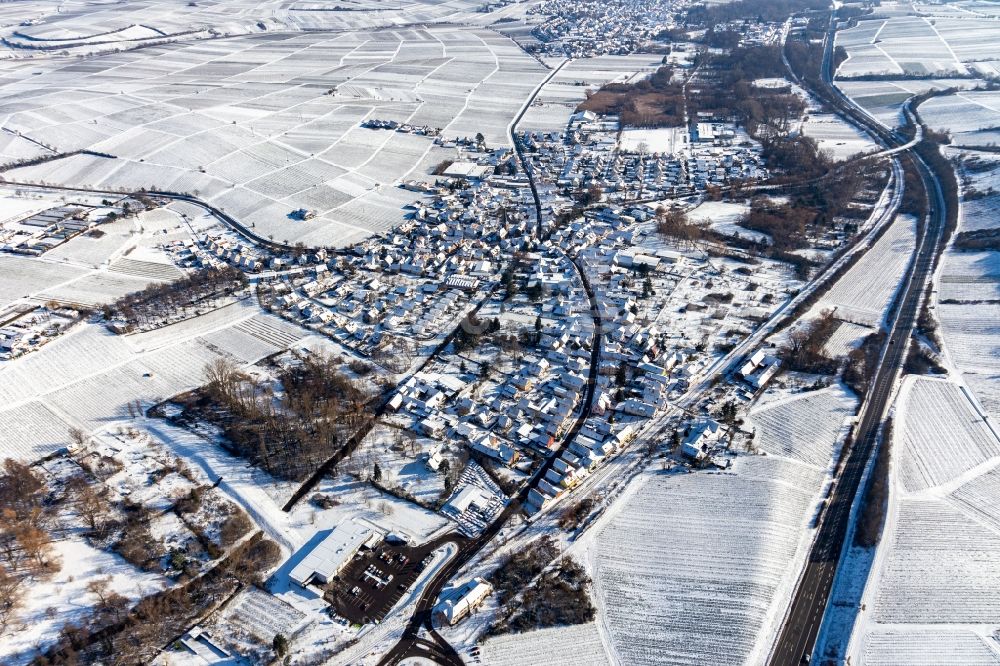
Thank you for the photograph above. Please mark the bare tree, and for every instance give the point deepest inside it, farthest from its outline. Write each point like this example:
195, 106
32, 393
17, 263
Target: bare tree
10, 596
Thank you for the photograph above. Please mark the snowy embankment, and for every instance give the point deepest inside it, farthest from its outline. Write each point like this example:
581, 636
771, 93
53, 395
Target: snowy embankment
933, 594
698, 568
968, 296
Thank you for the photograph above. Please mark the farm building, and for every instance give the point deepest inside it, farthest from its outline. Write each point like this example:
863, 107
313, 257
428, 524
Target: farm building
330, 555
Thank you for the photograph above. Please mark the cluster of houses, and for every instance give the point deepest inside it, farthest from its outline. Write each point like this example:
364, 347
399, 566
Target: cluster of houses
27, 330
588, 155
526, 412
588, 28
406, 128
596, 441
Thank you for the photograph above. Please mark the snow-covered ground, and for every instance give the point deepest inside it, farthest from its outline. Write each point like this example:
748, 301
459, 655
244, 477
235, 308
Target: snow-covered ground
697, 568
66, 594
932, 596
863, 294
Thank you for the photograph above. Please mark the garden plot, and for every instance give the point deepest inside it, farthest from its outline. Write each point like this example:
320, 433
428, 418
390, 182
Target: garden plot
725, 217
558, 646
238, 122
94, 249
802, 427
665, 140
865, 291
402, 459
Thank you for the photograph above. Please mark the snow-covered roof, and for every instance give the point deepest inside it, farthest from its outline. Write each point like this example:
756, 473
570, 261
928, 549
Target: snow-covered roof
333, 552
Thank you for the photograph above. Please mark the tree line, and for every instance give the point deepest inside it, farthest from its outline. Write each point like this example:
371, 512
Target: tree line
154, 304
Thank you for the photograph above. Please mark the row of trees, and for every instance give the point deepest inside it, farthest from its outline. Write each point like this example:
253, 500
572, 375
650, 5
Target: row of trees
26, 520
154, 304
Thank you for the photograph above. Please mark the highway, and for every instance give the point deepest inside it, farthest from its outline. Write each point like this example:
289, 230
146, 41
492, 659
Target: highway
796, 643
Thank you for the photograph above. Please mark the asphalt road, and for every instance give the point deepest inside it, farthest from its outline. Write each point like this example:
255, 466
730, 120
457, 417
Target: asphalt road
797, 640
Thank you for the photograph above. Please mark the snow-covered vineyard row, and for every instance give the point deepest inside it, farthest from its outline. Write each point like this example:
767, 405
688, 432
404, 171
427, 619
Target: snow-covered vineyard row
932, 595
899, 647
944, 438
942, 567
232, 121
865, 292
90, 374
558, 646
896, 42
802, 428
695, 568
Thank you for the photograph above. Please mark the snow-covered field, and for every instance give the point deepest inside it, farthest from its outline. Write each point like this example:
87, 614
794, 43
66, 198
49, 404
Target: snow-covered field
893, 41
836, 137
973, 117
262, 125
865, 291
90, 375
932, 596
558, 646
696, 568
968, 294
666, 140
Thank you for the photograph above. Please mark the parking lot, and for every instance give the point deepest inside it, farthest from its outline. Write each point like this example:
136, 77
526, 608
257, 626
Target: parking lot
371, 584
